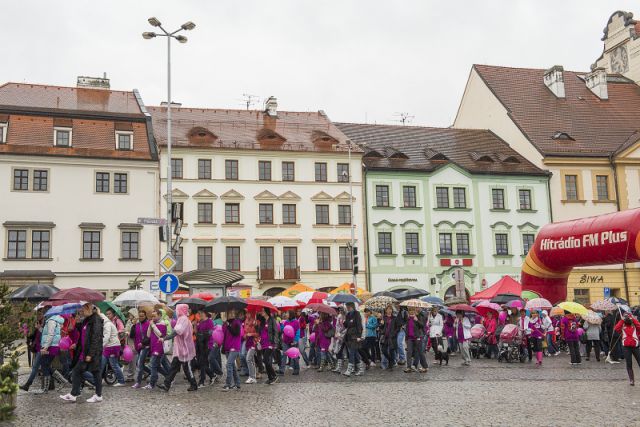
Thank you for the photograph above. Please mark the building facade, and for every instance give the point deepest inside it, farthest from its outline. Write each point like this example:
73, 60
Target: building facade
78, 166
441, 200
266, 194
580, 126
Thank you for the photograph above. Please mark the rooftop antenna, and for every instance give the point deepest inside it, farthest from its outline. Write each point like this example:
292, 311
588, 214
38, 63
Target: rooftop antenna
249, 100
404, 118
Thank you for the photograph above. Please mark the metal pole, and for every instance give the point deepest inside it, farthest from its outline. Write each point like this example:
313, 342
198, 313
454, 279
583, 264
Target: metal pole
169, 171
353, 273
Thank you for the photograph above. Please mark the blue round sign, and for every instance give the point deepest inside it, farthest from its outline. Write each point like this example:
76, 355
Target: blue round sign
168, 283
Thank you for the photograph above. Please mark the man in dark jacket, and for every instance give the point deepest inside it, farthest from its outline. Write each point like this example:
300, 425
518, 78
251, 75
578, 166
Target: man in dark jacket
353, 337
88, 355
389, 325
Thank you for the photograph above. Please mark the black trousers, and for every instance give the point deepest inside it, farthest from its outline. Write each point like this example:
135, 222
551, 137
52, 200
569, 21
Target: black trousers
574, 351
175, 368
267, 358
77, 378
596, 348
628, 353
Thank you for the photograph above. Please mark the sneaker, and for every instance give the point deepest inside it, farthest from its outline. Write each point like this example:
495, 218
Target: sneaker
275, 380
226, 388
148, 387
402, 362
408, 370
118, 385
68, 397
235, 387
250, 381
136, 385
163, 387
372, 364
423, 370
94, 399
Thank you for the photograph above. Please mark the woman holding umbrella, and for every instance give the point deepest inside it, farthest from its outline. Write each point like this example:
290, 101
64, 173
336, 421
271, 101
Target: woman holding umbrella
491, 325
184, 350
324, 331
436, 324
536, 335
592, 328
353, 327
390, 324
231, 347
462, 331
269, 334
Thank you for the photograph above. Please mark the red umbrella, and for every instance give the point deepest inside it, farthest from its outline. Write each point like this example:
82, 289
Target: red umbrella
322, 308
462, 307
78, 294
257, 305
207, 296
484, 306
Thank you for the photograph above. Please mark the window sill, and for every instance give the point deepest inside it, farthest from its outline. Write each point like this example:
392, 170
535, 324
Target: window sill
526, 210
90, 259
452, 209
502, 256
455, 256
387, 255
233, 224
130, 259
266, 225
574, 201
343, 226
27, 259
383, 207
413, 255
603, 201
204, 224
289, 225
499, 210
321, 225
411, 208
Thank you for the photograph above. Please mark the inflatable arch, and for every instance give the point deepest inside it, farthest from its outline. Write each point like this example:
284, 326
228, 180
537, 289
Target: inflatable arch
559, 247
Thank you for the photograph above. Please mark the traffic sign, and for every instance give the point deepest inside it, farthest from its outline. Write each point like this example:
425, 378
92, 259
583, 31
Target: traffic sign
168, 262
152, 221
168, 283
607, 292
153, 286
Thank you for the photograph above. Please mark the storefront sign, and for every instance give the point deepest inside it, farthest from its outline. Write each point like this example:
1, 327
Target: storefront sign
402, 279
458, 262
585, 278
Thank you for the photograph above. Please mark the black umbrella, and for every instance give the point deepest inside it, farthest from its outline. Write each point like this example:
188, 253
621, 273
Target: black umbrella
386, 294
617, 300
34, 292
411, 293
344, 298
222, 304
505, 298
193, 303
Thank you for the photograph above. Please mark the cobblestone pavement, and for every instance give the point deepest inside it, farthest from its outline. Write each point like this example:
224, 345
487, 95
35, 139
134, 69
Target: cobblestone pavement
487, 393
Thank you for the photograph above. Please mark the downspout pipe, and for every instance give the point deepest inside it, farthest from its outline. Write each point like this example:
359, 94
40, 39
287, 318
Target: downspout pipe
366, 226
617, 191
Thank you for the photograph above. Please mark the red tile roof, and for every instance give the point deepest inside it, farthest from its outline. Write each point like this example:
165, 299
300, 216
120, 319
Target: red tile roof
33, 97
249, 129
427, 149
598, 127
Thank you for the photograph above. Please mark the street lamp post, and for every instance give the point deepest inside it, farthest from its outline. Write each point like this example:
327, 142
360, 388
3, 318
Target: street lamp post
353, 271
187, 26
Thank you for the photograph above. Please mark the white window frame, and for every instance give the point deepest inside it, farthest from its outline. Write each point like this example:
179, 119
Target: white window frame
124, 132
62, 128
4, 126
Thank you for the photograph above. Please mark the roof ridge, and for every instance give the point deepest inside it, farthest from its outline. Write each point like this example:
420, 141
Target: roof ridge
411, 126
530, 69
239, 110
64, 87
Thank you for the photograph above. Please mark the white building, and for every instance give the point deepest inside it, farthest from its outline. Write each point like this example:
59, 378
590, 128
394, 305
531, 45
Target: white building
265, 194
78, 166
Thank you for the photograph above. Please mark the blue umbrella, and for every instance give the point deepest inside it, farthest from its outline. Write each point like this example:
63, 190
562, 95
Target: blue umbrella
344, 298
434, 300
59, 310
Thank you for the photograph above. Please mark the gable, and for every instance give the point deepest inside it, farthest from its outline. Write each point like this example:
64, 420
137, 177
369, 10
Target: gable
322, 196
265, 195
289, 195
344, 196
176, 193
232, 195
204, 194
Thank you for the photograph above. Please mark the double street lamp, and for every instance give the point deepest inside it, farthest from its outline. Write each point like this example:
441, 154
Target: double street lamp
187, 26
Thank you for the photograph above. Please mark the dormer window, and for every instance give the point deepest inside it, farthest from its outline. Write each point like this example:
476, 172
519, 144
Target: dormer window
124, 141
477, 157
392, 153
62, 137
269, 136
372, 153
431, 154
200, 135
562, 136
4, 126
322, 138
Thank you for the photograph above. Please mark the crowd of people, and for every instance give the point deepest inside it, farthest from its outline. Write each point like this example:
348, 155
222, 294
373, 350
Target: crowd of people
77, 350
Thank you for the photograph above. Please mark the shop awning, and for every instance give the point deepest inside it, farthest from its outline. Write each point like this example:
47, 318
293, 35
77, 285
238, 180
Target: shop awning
506, 285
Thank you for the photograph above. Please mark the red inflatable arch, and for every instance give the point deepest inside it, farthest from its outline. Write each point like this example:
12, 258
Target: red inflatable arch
559, 247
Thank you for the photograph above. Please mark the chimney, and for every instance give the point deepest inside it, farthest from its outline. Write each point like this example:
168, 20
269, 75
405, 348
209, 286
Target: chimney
596, 81
94, 82
271, 106
554, 80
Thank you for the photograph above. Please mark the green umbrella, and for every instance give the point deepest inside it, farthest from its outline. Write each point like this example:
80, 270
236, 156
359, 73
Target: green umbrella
529, 295
108, 305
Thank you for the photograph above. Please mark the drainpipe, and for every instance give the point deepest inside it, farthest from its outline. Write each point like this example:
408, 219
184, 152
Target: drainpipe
549, 197
616, 190
366, 227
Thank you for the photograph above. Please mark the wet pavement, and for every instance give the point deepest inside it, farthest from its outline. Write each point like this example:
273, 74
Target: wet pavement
486, 393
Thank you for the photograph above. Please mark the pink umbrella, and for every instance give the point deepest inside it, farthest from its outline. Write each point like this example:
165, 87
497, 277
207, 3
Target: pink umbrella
539, 304
516, 303
484, 306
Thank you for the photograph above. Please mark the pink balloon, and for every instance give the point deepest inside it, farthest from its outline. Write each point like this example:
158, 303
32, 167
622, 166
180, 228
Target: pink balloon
293, 353
312, 337
580, 332
502, 316
289, 331
127, 354
218, 336
65, 343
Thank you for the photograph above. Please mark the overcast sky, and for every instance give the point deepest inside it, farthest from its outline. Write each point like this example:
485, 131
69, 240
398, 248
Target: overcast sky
356, 59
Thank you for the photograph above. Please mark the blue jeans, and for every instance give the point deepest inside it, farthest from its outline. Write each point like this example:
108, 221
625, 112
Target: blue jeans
244, 368
160, 364
402, 356
551, 347
295, 363
302, 344
35, 367
214, 360
354, 356
65, 360
115, 365
45, 363
232, 372
140, 366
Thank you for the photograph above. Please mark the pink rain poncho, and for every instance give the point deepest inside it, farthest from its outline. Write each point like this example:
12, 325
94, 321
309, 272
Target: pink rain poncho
183, 347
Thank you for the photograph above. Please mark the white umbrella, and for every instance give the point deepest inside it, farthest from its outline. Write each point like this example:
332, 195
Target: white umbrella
135, 298
283, 302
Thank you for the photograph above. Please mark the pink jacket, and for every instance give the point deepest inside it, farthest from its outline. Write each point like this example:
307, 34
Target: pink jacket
183, 347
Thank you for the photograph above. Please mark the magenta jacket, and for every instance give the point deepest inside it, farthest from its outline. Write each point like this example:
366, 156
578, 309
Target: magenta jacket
155, 345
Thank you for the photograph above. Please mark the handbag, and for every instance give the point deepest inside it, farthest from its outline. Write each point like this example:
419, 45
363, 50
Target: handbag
167, 347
